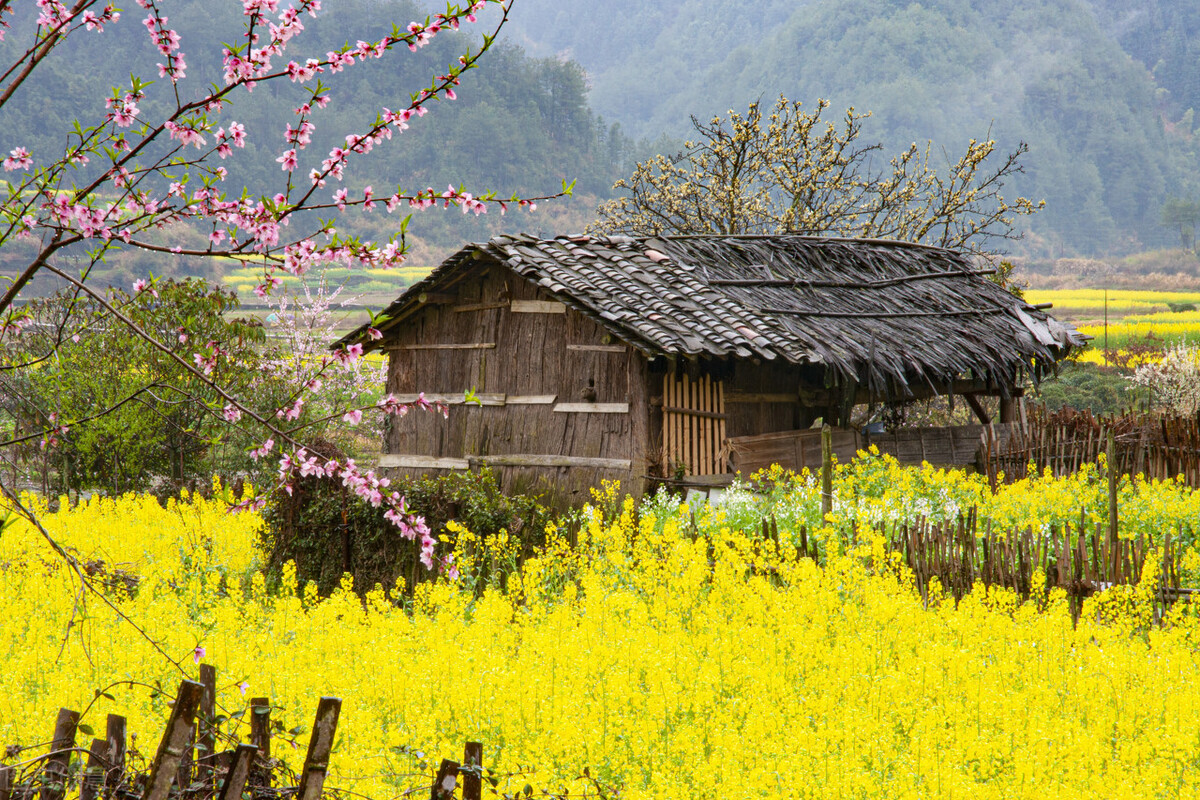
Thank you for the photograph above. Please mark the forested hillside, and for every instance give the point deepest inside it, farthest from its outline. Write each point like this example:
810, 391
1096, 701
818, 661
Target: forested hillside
1098, 89
1104, 92
520, 124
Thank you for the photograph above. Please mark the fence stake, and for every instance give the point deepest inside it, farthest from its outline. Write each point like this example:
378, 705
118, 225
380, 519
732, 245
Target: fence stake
826, 471
207, 739
320, 744
443, 784
239, 771
260, 737
1112, 488
175, 739
93, 774
472, 778
6, 781
56, 765
115, 739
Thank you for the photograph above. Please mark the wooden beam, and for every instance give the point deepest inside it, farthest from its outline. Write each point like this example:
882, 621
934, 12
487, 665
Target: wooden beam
598, 348
694, 412
531, 399
976, 406
593, 408
480, 306
538, 307
455, 398
547, 460
464, 346
422, 462
436, 298
755, 397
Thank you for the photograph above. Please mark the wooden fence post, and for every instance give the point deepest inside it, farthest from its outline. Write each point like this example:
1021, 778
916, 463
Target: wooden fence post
1113, 476
826, 471
206, 727
65, 725
320, 744
239, 771
175, 740
115, 740
6, 782
93, 774
260, 737
444, 783
472, 776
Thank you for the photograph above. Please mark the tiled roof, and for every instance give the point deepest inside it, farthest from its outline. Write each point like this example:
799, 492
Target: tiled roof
879, 312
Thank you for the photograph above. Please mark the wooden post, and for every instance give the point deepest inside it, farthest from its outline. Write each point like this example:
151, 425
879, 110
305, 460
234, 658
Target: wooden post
1112, 490
207, 738
443, 784
472, 775
260, 737
175, 739
239, 771
6, 782
115, 739
320, 744
93, 774
54, 786
826, 471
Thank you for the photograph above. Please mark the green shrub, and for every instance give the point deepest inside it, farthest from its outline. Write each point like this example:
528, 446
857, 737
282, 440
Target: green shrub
1086, 386
328, 532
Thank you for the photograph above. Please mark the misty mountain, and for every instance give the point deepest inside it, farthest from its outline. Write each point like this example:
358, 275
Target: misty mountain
1098, 89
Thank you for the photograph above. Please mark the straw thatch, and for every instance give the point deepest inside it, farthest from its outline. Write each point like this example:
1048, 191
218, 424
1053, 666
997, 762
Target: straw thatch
894, 318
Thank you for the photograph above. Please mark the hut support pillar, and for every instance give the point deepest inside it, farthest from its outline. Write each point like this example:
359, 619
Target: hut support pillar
1010, 408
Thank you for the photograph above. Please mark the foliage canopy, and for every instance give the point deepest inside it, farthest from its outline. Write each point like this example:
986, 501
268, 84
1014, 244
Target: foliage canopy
787, 170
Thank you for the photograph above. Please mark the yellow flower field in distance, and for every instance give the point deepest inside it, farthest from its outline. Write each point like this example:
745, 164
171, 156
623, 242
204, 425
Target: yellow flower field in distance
1078, 304
670, 651
1137, 321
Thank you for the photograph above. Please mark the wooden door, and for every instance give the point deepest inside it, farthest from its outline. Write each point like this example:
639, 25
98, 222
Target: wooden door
693, 426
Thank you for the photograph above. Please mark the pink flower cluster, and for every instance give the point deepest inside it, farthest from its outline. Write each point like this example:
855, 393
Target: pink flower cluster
165, 40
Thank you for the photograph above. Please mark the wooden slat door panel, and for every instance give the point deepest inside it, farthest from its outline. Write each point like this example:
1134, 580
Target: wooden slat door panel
693, 426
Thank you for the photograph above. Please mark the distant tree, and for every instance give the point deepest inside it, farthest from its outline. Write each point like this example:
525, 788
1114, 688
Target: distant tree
1182, 215
141, 415
793, 172
1173, 384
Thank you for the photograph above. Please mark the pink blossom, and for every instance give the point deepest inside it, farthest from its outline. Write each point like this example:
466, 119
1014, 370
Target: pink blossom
141, 285
260, 451
19, 158
198, 653
354, 416
288, 160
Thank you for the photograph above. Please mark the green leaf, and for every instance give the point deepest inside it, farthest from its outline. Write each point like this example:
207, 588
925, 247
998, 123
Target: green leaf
85, 729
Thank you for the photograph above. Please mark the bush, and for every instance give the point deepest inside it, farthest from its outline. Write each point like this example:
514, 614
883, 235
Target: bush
328, 532
1087, 387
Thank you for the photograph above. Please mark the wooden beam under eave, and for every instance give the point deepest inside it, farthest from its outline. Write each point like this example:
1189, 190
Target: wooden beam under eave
977, 407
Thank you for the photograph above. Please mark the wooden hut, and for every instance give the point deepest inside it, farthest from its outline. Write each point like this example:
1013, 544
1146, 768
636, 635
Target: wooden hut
687, 357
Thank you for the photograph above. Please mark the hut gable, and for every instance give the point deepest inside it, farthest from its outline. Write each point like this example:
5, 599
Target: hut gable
622, 357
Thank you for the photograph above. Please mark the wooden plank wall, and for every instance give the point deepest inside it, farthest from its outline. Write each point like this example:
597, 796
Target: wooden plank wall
958, 445
762, 398
794, 450
554, 384
693, 426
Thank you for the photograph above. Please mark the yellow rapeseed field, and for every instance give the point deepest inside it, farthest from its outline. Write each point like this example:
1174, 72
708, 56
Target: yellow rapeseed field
667, 649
